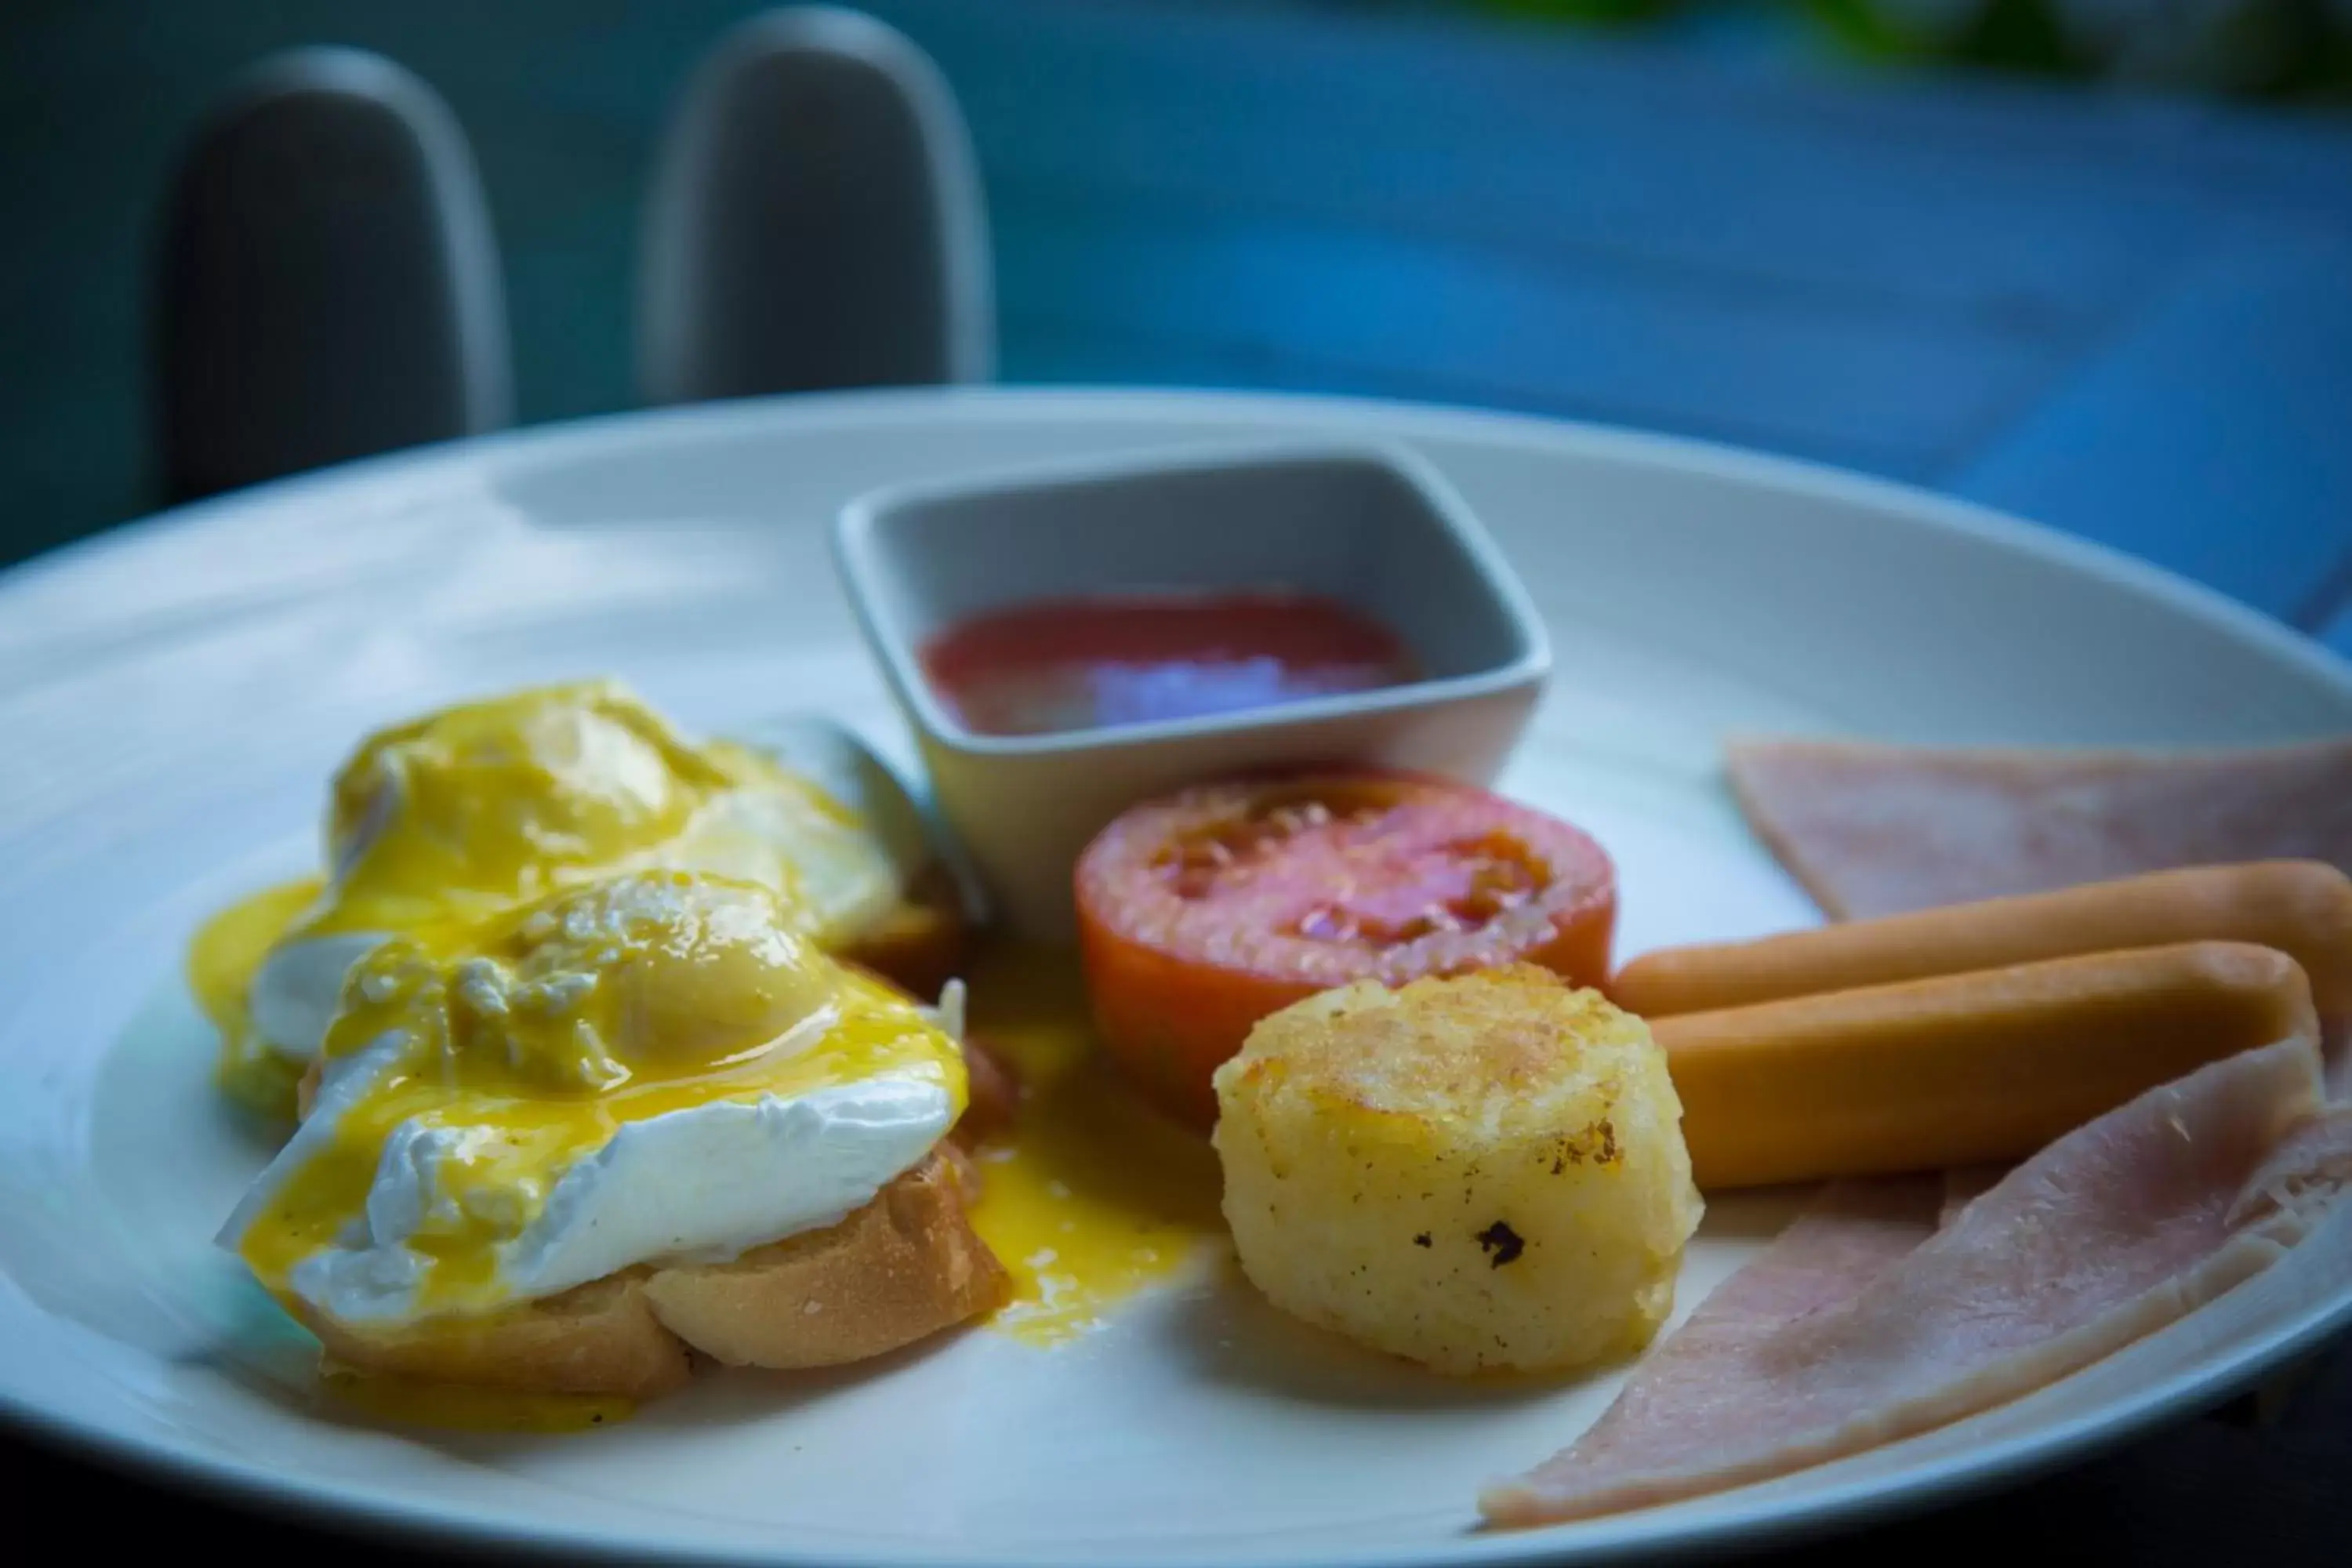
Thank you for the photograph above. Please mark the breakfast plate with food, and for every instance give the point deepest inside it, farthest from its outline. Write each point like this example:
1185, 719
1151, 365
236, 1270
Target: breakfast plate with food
1050, 977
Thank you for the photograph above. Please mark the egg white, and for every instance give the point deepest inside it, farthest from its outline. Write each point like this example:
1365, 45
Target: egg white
704, 1184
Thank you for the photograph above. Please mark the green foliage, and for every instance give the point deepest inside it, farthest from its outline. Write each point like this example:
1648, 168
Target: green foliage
2300, 49
2006, 35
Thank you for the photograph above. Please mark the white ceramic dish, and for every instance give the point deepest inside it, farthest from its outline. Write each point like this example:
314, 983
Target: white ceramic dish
173, 694
1382, 531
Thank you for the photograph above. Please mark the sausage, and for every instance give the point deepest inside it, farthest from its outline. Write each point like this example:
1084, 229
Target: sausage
1959, 1070
2303, 907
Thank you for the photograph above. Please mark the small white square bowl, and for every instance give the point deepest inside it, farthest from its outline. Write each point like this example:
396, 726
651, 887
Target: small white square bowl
1377, 530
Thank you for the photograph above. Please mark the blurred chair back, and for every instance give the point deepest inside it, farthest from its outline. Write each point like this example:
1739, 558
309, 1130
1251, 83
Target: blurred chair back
816, 220
326, 285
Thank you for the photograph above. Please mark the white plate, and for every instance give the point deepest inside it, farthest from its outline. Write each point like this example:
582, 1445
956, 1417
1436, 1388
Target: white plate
171, 696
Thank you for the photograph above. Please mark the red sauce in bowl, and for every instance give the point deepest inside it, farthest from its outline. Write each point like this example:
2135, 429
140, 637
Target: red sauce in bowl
1110, 659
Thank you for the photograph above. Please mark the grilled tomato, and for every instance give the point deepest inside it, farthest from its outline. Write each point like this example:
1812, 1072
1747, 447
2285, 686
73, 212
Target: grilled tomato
1204, 911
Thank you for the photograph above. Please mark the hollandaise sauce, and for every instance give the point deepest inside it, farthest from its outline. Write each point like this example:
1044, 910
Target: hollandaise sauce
1092, 1197
464, 812
436, 825
222, 960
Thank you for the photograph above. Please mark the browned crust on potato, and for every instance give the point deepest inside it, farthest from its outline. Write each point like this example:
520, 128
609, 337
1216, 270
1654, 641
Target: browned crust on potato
901, 1268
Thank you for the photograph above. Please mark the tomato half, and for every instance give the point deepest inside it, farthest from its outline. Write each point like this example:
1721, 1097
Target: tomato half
1202, 913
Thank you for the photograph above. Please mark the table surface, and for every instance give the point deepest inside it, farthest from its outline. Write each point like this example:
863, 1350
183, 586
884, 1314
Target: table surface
2126, 317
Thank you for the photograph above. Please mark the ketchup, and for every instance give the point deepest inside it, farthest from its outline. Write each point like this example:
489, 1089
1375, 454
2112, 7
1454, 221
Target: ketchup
1134, 658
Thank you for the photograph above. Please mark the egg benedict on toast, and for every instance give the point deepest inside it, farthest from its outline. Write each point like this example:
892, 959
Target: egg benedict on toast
560, 1148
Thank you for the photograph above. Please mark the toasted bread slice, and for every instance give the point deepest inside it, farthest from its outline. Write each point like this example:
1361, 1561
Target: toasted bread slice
903, 1268
919, 945
899, 1270
601, 1337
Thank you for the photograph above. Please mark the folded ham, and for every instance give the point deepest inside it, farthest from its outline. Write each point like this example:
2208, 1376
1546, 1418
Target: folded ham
1865, 1323
1965, 1184
1881, 830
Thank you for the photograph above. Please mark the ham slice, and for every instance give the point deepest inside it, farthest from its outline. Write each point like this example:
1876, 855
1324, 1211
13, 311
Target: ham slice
1880, 830
1865, 1323
1965, 1184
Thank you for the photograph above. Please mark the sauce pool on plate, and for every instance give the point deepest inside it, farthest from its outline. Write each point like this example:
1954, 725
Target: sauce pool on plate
1111, 659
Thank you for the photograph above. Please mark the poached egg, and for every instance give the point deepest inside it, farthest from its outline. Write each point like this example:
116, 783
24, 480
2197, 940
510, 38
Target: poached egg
657, 1066
433, 825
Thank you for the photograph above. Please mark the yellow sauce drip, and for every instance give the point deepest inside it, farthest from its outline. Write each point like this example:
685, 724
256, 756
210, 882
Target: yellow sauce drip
222, 960
457, 1408
1093, 1196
